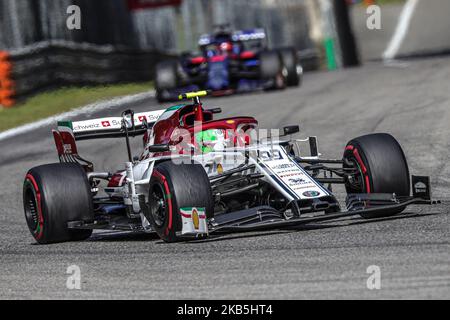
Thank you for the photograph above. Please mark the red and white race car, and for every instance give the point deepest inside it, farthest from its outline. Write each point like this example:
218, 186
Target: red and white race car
197, 176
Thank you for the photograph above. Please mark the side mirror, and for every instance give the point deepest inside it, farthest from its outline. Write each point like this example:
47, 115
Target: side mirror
159, 148
215, 110
291, 130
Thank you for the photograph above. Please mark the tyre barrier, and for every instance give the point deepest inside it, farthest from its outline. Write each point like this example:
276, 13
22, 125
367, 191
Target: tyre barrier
7, 85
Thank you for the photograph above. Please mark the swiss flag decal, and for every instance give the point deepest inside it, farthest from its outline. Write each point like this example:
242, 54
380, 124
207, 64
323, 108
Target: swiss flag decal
106, 124
142, 118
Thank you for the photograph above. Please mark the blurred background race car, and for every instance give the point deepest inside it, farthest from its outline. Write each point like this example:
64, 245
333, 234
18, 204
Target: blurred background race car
228, 62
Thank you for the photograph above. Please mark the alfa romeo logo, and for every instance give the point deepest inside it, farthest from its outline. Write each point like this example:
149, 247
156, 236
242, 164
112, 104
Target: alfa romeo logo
311, 194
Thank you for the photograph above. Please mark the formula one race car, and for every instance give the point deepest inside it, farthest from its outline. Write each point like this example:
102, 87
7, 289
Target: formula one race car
229, 62
197, 176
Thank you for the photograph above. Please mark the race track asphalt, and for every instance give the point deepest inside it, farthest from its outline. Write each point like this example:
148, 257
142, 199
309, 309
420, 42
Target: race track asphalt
327, 260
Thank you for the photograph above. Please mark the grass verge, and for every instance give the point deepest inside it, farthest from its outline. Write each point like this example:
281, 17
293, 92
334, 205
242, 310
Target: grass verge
61, 100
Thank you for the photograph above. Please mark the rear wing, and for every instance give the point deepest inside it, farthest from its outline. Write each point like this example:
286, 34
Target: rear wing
110, 127
248, 35
236, 36
69, 132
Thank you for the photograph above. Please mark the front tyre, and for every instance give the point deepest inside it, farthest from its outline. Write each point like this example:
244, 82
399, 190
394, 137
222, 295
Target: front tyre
293, 67
382, 168
54, 195
173, 187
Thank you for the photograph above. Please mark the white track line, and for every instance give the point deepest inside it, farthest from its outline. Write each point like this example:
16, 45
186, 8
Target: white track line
401, 30
86, 110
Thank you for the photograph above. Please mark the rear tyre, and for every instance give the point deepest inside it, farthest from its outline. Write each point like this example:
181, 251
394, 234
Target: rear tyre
382, 165
293, 67
173, 187
54, 195
166, 78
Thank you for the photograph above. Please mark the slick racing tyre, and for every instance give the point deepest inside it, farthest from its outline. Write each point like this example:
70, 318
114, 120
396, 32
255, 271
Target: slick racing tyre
293, 67
54, 195
173, 187
382, 168
272, 69
166, 78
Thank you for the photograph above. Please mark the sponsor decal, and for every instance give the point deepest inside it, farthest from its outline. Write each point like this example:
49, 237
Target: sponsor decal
188, 212
420, 187
195, 219
219, 169
152, 118
67, 148
268, 155
96, 125
82, 127
294, 173
298, 181
249, 35
311, 194
283, 166
303, 187
142, 118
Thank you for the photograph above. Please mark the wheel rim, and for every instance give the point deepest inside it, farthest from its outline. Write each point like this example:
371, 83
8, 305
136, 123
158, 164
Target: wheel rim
158, 205
357, 182
32, 211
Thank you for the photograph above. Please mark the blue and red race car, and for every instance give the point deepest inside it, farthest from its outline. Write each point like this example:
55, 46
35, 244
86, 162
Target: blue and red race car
229, 62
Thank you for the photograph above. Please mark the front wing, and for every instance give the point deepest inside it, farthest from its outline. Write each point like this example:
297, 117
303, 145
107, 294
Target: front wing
266, 218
